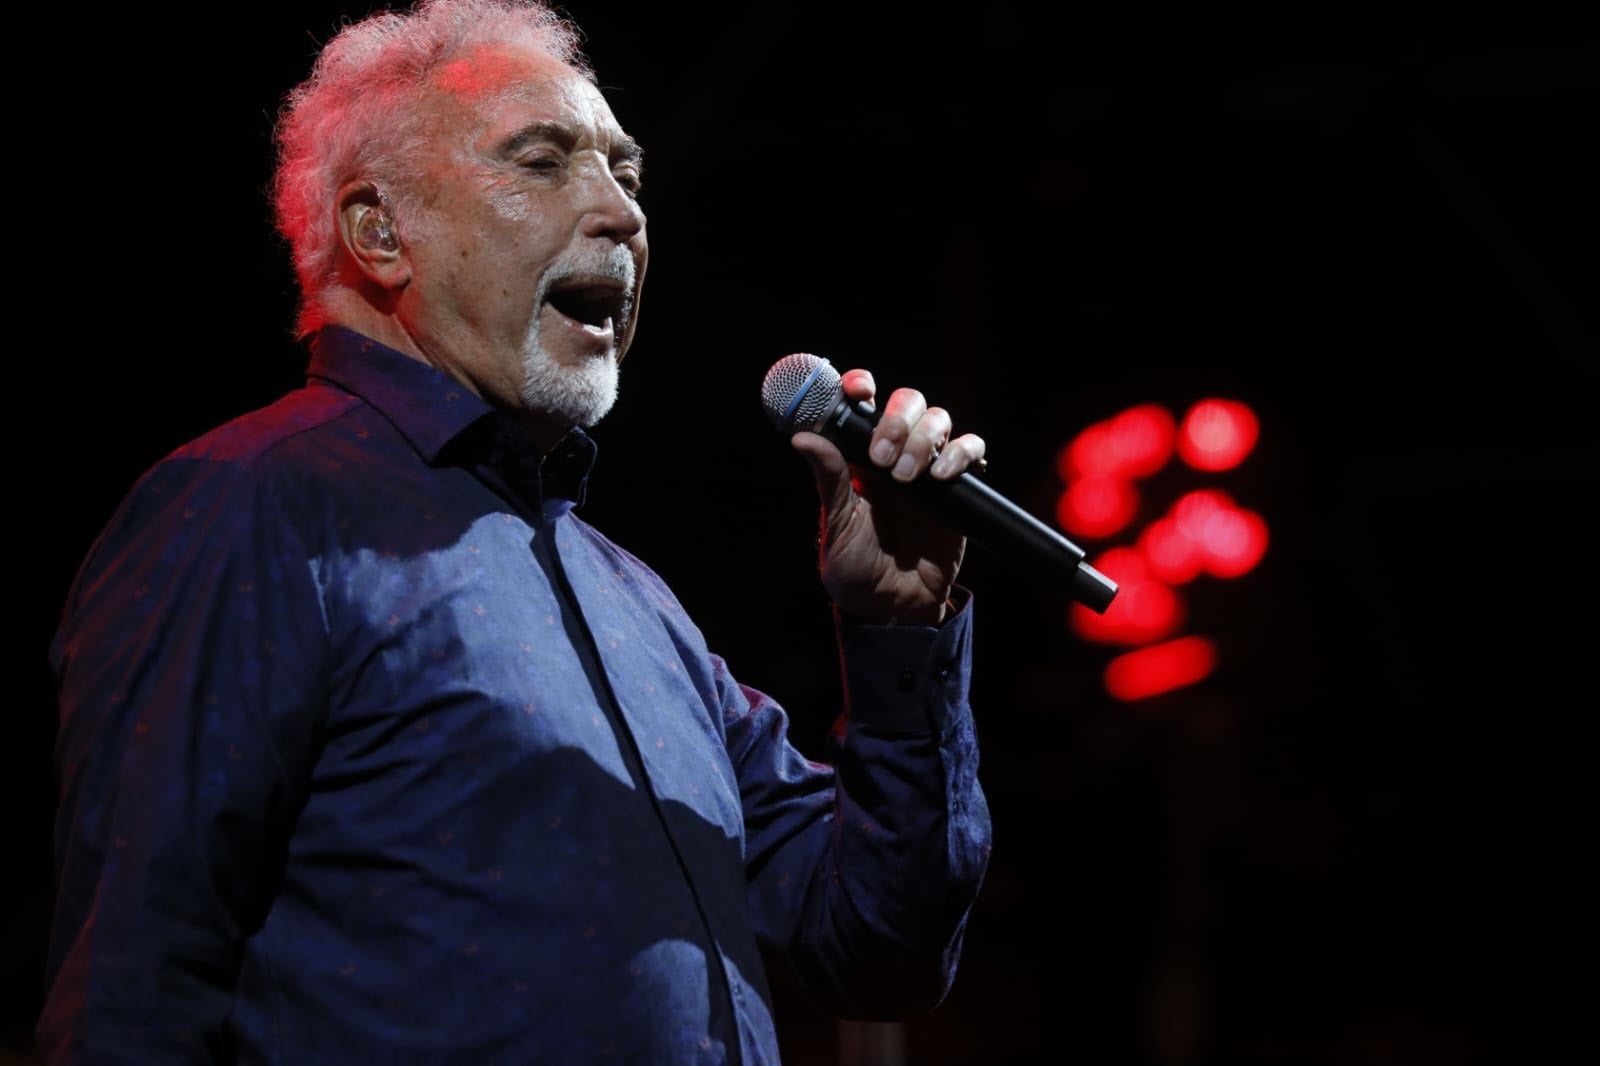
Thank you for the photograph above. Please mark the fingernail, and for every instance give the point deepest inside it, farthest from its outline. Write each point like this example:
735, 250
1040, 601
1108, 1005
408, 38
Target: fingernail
905, 467
883, 451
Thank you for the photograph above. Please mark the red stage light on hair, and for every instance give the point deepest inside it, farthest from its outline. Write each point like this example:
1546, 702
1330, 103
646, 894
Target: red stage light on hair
1097, 506
1147, 672
1217, 434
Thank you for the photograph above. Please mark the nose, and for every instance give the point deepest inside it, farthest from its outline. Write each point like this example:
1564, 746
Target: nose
610, 213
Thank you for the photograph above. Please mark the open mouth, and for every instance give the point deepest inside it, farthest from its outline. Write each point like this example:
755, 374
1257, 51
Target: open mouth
596, 303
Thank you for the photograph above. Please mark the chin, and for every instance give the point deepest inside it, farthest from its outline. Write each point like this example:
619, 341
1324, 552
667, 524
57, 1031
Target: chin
581, 395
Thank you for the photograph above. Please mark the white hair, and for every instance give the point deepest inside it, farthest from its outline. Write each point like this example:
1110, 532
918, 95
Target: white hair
356, 116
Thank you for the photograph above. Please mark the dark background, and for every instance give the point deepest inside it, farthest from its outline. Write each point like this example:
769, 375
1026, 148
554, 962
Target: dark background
1361, 840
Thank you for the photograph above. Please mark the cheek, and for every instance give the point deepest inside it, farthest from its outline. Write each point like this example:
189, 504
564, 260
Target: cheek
515, 212
507, 206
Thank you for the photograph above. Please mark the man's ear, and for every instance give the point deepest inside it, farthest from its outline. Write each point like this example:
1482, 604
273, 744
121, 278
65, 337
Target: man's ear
367, 231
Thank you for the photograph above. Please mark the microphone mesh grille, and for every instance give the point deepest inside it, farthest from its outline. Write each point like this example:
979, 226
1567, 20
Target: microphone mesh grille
799, 391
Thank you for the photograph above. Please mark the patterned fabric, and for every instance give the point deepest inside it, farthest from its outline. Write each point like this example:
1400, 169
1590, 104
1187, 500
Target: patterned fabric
372, 750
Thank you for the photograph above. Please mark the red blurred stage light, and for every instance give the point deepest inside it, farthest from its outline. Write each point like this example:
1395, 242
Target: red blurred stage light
1217, 434
1146, 672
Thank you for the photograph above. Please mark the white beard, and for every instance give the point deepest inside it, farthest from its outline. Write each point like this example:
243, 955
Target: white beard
580, 394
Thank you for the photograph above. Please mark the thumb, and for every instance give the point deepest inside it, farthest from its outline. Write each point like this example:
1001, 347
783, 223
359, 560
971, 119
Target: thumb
828, 468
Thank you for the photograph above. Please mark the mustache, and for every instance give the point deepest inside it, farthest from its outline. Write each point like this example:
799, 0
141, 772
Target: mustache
595, 263
612, 264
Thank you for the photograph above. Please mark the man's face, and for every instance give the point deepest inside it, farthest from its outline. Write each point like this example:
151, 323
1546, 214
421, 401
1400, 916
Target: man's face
529, 257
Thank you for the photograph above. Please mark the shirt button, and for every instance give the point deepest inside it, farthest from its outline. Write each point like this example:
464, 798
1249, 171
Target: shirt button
906, 682
943, 675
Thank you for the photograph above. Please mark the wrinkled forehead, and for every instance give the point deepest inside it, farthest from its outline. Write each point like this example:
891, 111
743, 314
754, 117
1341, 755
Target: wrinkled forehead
481, 84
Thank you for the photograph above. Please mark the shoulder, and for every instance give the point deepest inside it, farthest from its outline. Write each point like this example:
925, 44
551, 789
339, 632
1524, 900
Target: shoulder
240, 479
313, 446
313, 411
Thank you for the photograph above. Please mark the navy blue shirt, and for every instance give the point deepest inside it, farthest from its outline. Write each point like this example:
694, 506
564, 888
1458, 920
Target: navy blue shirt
373, 750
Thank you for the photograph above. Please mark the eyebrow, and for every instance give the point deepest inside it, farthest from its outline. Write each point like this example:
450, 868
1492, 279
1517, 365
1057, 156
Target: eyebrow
623, 147
628, 150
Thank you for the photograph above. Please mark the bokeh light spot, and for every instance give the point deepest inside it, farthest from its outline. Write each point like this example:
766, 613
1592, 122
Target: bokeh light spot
1097, 505
1146, 672
1217, 434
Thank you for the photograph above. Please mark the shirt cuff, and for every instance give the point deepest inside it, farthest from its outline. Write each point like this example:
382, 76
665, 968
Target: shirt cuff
911, 679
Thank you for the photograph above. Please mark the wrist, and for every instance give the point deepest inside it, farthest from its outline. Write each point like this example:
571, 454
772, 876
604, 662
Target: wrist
933, 616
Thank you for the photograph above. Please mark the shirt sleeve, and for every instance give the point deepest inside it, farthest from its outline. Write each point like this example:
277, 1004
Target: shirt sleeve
188, 663
862, 873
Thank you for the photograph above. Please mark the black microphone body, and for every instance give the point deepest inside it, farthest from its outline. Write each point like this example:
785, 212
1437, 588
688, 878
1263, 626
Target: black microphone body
802, 392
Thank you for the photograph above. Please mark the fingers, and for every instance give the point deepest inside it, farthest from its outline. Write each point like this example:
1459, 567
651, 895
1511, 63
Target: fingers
912, 437
964, 453
858, 384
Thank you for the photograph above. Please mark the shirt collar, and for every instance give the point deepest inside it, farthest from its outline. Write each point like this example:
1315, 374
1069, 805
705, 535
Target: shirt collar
429, 407
434, 411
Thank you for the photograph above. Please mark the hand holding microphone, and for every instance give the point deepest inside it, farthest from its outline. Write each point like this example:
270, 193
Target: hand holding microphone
881, 558
803, 394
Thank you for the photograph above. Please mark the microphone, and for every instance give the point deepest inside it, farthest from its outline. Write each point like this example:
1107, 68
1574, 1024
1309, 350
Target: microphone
801, 392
